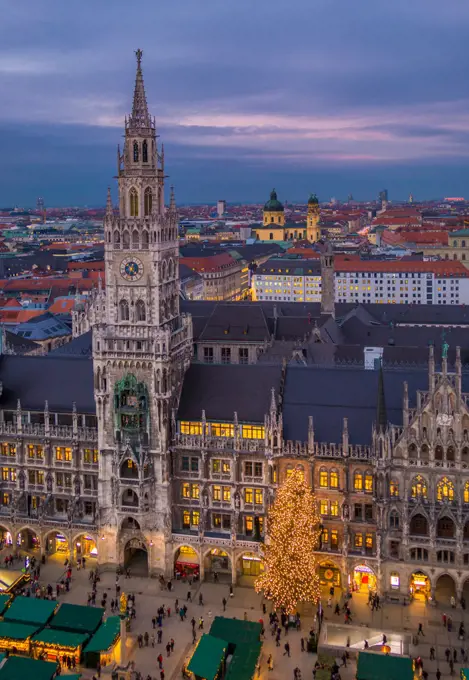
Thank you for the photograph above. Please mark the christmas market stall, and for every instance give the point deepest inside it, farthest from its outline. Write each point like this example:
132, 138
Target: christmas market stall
12, 580
464, 673
16, 637
30, 610
15, 667
376, 666
208, 660
104, 646
244, 646
75, 618
53, 645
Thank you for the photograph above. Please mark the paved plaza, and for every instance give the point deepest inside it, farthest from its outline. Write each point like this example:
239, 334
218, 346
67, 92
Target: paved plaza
149, 596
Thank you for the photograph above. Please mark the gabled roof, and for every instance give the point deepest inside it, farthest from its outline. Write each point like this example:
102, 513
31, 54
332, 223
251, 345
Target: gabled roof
77, 618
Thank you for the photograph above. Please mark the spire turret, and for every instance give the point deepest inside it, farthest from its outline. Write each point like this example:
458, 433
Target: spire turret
109, 210
172, 201
139, 118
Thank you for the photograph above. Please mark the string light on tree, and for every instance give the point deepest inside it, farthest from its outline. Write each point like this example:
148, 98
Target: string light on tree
294, 529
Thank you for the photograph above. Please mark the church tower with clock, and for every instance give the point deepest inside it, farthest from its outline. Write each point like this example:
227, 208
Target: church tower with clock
141, 349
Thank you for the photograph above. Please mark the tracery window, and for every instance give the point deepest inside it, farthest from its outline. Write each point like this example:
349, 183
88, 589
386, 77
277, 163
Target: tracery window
124, 310
145, 151
135, 152
323, 479
334, 479
140, 313
419, 487
358, 481
445, 490
133, 200
368, 482
393, 488
148, 201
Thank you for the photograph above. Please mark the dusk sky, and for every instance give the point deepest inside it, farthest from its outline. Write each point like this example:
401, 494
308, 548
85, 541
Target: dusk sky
331, 96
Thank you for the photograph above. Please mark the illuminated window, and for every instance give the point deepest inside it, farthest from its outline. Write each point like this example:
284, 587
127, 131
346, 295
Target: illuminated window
258, 496
323, 507
369, 540
358, 481
368, 482
334, 479
191, 428
8, 449
5, 474
274, 474
216, 493
194, 490
34, 502
35, 451
253, 432
63, 453
226, 467
358, 540
133, 200
323, 478
222, 429
334, 538
186, 519
394, 488
90, 455
249, 525
419, 487
248, 495
195, 516
335, 508
466, 492
216, 465
227, 494
445, 490
325, 536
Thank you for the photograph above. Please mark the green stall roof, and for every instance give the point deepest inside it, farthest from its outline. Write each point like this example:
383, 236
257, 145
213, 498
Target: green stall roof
464, 673
207, 657
30, 610
5, 600
375, 666
244, 661
236, 631
105, 636
17, 631
76, 618
21, 666
49, 636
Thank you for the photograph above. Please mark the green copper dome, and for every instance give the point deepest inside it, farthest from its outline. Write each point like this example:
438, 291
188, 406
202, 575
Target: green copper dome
273, 205
313, 199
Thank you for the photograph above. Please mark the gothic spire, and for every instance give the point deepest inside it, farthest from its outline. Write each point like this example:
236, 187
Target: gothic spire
172, 200
109, 210
139, 118
381, 414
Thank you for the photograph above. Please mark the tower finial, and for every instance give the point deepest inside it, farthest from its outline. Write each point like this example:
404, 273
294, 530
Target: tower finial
139, 118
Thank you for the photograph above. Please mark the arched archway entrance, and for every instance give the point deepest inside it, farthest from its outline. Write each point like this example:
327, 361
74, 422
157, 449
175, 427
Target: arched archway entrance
419, 586
363, 579
85, 546
250, 564
6, 539
28, 540
57, 544
445, 589
186, 563
136, 557
217, 562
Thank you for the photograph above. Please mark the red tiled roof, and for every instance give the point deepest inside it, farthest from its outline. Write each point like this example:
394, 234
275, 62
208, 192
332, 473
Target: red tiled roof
430, 237
442, 268
209, 264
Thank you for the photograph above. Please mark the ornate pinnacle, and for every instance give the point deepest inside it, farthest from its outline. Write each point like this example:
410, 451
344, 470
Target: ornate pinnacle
139, 55
109, 210
140, 118
172, 200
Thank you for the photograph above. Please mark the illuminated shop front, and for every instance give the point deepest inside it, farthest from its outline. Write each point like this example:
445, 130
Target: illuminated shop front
57, 543
28, 540
54, 645
218, 561
187, 562
420, 586
363, 579
251, 565
86, 547
329, 575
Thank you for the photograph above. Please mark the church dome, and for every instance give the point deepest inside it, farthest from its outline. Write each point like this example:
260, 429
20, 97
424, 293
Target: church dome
313, 199
273, 205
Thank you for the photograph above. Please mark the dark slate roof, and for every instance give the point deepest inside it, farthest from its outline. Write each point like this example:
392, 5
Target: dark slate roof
221, 390
59, 380
80, 346
232, 323
290, 266
43, 327
20, 345
332, 394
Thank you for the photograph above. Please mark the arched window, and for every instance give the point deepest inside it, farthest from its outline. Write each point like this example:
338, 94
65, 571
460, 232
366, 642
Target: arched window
124, 310
394, 520
358, 481
334, 479
126, 240
466, 492
393, 488
148, 201
140, 313
439, 452
117, 239
323, 479
445, 490
135, 239
463, 243
145, 151
368, 482
135, 152
419, 487
133, 200
455, 244
144, 239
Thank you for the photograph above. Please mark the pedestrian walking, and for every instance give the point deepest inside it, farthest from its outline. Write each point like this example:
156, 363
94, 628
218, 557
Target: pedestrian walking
168, 649
432, 653
201, 623
270, 663
171, 642
438, 674
189, 596
159, 658
302, 644
287, 649
224, 604
420, 630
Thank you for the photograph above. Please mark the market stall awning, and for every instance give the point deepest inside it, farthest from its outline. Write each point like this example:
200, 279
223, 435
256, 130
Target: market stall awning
76, 618
244, 661
376, 666
17, 631
16, 667
106, 635
59, 638
235, 631
464, 673
30, 610
207, 657
5, 599
9, 578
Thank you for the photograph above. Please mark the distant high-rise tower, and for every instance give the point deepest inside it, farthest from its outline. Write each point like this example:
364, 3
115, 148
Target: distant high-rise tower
313, 233
41, 208
411, 198
221, 208
349, 198
383, 195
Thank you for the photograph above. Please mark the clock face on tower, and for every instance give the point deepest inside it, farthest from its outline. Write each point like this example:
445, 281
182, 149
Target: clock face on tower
131, 269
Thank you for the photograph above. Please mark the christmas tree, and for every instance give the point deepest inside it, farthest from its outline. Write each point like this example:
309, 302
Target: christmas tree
293, 528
